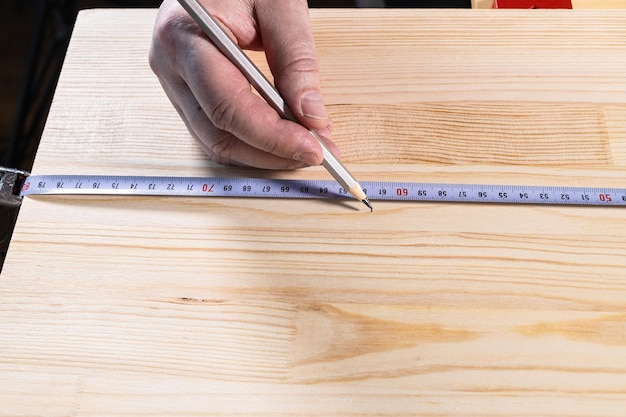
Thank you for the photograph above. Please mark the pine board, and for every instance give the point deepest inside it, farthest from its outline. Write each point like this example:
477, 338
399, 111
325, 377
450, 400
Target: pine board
145, 306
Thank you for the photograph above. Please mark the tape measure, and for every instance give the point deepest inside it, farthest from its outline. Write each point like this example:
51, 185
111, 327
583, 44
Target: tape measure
288, 188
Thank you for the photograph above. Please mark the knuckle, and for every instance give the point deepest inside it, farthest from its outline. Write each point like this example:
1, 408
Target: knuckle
269, 145
162, 44
298, 56
166, 26
302, 63
170, 27
222, 148
223, 114
227, 143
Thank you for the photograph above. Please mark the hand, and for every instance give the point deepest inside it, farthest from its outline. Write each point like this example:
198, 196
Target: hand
232, 124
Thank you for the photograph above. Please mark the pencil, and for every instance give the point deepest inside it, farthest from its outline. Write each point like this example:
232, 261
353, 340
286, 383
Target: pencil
269, 93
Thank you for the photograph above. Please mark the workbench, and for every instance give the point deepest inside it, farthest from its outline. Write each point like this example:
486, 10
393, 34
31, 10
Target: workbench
190, 306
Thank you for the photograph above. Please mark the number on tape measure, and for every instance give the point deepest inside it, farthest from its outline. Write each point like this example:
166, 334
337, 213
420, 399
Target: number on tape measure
274, 188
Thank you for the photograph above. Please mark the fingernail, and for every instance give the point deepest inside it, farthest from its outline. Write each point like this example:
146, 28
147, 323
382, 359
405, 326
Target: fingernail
312, 106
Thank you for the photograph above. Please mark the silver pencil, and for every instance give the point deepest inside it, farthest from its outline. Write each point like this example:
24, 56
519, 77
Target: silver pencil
265, 88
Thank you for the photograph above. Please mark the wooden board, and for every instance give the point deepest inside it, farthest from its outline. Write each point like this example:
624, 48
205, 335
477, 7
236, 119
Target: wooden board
145, 306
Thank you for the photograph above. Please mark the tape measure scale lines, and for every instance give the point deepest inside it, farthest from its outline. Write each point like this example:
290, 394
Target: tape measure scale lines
274, 188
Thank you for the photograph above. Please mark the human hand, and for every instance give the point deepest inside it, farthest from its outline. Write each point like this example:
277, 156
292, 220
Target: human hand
232, 124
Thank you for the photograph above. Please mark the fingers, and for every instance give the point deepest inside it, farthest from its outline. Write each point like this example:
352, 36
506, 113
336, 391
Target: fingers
221, 146
232, 124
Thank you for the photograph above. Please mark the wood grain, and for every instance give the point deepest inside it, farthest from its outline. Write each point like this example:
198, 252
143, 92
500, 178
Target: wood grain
491, 133
145, 306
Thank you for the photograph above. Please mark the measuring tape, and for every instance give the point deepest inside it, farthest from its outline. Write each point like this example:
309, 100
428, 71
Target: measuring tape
282, 188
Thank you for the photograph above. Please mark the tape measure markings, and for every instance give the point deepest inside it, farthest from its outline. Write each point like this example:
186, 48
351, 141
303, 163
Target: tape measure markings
288, 188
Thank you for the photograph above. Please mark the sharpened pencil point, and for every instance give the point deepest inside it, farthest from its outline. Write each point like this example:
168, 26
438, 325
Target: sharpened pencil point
367, 203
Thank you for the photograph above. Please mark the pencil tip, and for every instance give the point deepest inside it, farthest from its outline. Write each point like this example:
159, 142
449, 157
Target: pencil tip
367, 203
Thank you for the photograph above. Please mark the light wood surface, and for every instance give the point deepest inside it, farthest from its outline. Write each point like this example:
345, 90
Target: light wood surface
164, 306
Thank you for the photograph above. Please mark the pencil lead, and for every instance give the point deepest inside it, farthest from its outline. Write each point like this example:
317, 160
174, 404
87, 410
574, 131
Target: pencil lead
367, 203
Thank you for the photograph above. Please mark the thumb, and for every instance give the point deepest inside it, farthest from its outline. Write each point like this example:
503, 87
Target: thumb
290, 50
